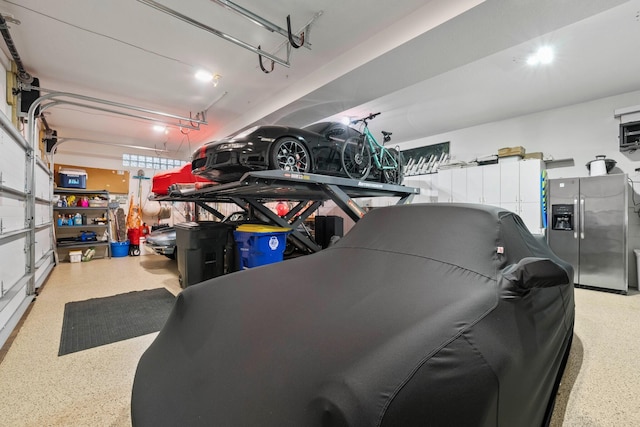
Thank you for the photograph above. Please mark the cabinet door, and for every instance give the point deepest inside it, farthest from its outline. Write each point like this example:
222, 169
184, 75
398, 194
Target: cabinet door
530, 175
509, 182
444, 185
475, 184
424, 183
512, 207
530, 212
459, 185
491, 184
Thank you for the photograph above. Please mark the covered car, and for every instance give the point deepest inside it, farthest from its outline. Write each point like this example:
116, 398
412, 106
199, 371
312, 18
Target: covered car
438, 314
314, 149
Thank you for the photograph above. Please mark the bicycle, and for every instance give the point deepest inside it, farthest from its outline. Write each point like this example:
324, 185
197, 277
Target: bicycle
357, 152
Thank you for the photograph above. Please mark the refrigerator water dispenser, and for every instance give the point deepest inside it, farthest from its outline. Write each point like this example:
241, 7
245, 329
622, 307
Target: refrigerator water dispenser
562, 217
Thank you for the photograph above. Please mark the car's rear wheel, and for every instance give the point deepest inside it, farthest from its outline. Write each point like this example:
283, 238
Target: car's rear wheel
290, 155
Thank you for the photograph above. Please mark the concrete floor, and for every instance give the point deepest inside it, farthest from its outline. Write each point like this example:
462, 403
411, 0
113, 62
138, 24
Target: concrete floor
93, 387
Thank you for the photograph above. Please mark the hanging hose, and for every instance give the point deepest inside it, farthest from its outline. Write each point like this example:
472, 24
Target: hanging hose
22, 73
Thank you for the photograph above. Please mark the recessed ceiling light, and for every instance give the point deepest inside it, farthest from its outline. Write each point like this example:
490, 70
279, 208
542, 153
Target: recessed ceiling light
160, 128
543, 56
204, 76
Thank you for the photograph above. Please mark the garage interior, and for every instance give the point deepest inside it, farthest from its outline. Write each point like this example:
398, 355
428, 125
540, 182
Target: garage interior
121, 108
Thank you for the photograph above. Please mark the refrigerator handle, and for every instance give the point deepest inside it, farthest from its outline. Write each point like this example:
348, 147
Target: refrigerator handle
575, 209
582, 217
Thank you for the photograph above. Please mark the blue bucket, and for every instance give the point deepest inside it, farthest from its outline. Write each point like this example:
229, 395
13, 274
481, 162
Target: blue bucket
119, 249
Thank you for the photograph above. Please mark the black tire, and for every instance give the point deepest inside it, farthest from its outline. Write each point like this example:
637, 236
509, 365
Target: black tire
356, 158
291, 155
392, 158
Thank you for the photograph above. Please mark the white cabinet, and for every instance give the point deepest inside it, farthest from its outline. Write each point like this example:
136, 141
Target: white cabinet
427, 185
520, 191
452, 185
512, 185
444, 185
483, 185
509, 182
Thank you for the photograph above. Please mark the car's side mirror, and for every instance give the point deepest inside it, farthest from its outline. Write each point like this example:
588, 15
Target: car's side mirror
533, 272
334, 132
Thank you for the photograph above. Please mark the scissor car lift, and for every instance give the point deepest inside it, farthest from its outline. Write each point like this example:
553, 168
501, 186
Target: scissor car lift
309, 191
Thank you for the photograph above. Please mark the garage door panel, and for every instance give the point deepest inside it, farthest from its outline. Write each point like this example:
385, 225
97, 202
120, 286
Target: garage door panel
12, 213
13, 261
43, 184
42, 213
12, 164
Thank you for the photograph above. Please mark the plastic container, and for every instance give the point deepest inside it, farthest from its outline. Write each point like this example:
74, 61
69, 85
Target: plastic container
119, 249
260, 244
75, 256
73, 178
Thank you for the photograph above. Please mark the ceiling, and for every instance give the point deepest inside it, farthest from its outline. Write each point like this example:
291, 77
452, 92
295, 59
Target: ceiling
428, 66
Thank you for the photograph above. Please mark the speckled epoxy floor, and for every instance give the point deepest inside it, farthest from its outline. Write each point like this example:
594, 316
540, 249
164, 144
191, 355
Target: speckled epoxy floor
87, 388
600, 388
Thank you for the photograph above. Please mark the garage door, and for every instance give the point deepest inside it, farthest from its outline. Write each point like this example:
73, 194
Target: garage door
26, 248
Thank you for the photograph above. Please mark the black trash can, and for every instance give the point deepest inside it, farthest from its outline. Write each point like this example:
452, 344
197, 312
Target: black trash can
205, 250
326, 227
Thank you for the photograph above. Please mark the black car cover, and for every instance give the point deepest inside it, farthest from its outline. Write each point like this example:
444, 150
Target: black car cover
437, 314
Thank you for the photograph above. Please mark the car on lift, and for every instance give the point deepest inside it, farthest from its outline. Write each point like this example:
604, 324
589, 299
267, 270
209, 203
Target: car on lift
312, 149
423, 314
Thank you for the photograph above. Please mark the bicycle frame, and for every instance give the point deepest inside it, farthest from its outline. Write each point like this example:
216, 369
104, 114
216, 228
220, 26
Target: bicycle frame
376, 148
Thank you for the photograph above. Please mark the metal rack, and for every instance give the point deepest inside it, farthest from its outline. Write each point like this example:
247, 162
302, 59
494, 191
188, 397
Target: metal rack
307, 191
75, 228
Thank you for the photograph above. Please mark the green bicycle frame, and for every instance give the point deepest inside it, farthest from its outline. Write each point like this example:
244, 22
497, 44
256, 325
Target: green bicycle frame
381, 149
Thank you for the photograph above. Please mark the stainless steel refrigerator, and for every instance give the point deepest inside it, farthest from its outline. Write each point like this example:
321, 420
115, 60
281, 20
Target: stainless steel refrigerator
587, 227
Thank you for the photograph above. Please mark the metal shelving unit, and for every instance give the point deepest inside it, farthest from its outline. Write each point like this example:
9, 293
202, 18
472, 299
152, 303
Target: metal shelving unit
92, 212
307, 192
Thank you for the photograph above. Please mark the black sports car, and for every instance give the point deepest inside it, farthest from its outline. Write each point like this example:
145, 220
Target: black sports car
439, 315
314, 149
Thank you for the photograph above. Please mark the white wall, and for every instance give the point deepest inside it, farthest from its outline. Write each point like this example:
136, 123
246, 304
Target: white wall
579, 131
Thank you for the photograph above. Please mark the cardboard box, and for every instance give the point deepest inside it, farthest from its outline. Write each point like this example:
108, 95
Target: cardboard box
511, 151
537, 155
75, 256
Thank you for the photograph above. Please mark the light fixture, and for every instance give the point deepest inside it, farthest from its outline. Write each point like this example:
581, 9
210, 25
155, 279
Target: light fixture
204, 76
543, 56
160, 128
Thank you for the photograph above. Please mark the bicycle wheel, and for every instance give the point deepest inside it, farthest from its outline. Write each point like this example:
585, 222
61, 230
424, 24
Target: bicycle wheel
392, 166
356, 158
